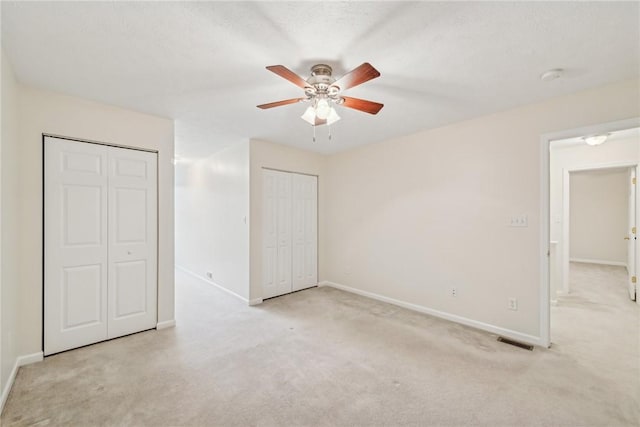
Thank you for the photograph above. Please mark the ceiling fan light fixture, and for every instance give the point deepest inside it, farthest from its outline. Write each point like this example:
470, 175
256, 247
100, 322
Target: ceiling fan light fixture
333, 116
323, 92
309, 115
323, 109
594, 140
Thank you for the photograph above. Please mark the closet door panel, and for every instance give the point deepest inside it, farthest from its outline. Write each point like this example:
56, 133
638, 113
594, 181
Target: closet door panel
269, 235
283, 214
277, 275
305, 213
132, 241
75, 244
311, 235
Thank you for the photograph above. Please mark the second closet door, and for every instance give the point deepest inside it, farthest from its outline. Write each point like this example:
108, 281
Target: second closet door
289, 232
276, 233
305, 231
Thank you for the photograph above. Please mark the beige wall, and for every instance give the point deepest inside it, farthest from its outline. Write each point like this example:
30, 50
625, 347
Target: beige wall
212, 210
411, 217
599, 215
47, 112
268, 155
9, 227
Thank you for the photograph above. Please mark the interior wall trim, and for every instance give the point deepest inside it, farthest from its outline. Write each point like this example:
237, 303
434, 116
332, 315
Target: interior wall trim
166, 324
508, 333
599, 261
290, 171
209, 282
27, 359
90, 141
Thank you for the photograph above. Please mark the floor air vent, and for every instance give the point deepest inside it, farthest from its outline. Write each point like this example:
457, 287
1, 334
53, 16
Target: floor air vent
516, 343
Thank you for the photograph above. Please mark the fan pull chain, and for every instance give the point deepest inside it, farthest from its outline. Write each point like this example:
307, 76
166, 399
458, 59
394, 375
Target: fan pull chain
329, 132
314, 133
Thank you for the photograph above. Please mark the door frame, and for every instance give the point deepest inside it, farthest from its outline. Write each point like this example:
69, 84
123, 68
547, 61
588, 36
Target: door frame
545, 220
566, 209
108, 144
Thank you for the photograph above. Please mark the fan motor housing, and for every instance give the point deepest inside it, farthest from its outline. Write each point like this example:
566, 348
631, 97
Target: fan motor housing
321, 77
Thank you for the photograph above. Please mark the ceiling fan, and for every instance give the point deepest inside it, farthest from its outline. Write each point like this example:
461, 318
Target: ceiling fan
323, 91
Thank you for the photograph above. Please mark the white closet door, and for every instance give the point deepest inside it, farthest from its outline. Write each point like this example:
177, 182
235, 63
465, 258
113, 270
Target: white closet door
276, 233
305, 231
132, 241
75, 270
100, 243
269, 235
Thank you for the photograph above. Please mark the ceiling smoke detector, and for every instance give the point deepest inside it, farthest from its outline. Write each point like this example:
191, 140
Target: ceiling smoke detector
549, 75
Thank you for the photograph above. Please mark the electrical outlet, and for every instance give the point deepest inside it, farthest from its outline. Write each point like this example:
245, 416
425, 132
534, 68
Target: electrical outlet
210, 275
454, 292
513, 304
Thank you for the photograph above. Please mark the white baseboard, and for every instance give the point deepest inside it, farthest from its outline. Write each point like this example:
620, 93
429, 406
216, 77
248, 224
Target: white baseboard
20, 361
166, 324
599, 261
255, 301
28, 359
210, 282
508, 333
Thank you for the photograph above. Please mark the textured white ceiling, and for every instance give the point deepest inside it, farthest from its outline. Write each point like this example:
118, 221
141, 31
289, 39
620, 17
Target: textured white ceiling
202, 63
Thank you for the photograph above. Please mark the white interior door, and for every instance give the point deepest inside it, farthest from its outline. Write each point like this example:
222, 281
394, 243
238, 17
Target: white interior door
269, 235
305, 231
631, 238
132, 241
276, 233
100, 243
75, 270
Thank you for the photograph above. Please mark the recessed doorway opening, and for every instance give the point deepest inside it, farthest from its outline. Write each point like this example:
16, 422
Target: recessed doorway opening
592, 243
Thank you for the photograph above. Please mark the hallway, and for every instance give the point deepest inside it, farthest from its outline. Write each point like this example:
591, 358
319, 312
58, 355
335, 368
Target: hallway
597, 324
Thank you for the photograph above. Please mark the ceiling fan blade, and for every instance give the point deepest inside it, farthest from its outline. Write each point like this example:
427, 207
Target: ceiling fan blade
286, 73
357, 76
362, 105
280, 103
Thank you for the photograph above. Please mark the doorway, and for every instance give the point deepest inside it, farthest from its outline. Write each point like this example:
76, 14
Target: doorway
591, 224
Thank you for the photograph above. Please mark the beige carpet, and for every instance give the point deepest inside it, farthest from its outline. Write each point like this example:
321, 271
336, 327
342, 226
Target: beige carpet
325, 357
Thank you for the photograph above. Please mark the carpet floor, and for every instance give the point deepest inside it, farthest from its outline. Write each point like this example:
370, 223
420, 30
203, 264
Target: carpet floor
325, 357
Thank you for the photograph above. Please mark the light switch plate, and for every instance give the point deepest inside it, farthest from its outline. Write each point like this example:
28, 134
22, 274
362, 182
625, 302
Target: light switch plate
519, 221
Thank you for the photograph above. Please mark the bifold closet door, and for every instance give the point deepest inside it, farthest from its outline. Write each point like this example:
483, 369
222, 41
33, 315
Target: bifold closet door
75, 270
277, 202
100, 243
132, 234
305, 231
290, 232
